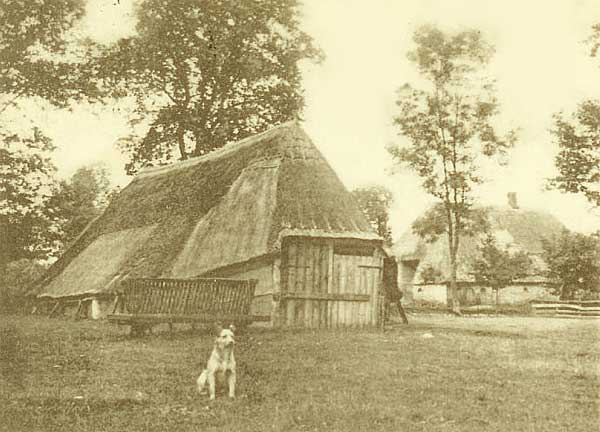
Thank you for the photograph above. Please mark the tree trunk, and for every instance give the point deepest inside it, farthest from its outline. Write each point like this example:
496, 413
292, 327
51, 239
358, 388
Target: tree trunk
497, 299
181, 142
454, 302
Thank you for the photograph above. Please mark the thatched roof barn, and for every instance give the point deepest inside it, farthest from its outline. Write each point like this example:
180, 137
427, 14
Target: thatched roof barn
226, 214
425, 264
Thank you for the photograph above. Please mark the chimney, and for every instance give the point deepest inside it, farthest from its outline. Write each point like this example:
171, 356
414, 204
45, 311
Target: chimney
512, 200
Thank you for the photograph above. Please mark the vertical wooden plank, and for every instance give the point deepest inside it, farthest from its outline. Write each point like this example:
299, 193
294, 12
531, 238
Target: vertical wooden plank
337, 272
329, 309
194, 288
341, 287
180, 303
276, 289
380, 284
161, 296
355, 279
169, 293
333, 288
158, 302
350, 289
300, 277
364, 306
353, 283
180, 300
192, 301
308, 277
323, 261
199, 294
316, 281
368, 286
316, 285
374, 287
291, 268
171, 287
343, 306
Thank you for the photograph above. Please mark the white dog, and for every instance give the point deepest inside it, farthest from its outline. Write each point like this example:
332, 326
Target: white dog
221, 365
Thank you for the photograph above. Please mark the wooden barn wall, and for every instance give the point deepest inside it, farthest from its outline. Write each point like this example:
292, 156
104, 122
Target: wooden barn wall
330, 283
262, 271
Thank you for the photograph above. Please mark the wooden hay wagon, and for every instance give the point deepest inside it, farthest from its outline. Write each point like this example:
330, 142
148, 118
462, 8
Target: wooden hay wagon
144, 303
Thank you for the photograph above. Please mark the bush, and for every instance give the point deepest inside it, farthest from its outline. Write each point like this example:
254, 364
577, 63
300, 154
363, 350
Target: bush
13, 360
15, 282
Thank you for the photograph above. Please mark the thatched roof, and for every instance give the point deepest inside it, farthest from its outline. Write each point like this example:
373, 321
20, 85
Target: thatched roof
515, 229
195, 216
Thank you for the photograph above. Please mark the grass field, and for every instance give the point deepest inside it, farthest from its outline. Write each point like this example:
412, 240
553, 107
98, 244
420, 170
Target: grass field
438, 373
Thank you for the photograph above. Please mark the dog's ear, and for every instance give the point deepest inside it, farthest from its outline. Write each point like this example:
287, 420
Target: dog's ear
232, 328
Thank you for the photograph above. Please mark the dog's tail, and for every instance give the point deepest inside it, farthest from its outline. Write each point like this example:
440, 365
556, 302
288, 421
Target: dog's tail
201, 382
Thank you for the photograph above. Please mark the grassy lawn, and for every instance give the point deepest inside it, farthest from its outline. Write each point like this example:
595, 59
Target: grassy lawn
438, 373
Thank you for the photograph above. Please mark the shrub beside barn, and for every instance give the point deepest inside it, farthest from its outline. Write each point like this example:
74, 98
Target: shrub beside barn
268, 208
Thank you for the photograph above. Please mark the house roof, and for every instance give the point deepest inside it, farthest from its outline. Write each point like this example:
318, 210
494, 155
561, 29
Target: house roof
197, 215
515, 229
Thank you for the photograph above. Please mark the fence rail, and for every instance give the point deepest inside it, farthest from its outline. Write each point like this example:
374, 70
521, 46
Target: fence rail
187, 297
568, 308
142, 303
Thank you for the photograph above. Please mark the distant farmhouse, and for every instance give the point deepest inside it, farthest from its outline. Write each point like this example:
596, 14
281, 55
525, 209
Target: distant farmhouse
268, 208
424, 268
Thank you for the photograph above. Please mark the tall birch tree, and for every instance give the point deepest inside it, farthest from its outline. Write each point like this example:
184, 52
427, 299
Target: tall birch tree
448, 127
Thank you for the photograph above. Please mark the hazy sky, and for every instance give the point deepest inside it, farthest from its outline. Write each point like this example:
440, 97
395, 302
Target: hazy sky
541, 64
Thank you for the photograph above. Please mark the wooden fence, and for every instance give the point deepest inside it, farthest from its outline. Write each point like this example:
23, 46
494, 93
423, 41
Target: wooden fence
185, 298
590, 308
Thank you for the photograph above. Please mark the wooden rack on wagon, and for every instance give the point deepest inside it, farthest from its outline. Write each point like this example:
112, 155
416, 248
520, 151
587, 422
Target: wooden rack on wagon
143, 303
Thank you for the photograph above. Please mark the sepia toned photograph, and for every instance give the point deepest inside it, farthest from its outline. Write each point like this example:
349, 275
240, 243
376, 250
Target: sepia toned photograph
300, 215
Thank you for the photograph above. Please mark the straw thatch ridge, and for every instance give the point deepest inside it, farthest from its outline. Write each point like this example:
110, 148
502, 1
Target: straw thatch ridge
515, 229
209, 212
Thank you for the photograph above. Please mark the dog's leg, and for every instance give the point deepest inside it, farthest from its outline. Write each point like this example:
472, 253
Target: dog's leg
231, 382
202, 381
211, 386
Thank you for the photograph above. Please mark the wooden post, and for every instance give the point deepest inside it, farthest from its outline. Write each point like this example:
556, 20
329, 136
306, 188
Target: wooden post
78, 310
276, 313
54, 310
401, 311
115, 304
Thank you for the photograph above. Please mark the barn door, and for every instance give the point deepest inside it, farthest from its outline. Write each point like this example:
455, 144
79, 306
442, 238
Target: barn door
356, 285
330, 283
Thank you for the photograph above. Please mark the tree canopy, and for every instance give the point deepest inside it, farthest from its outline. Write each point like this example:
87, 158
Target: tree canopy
36, 60
375, 201
81, 199
206, 73
573, 261
578, 138
449, 127
434, 222
578, 159
496, 267
34, 55
29, 227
